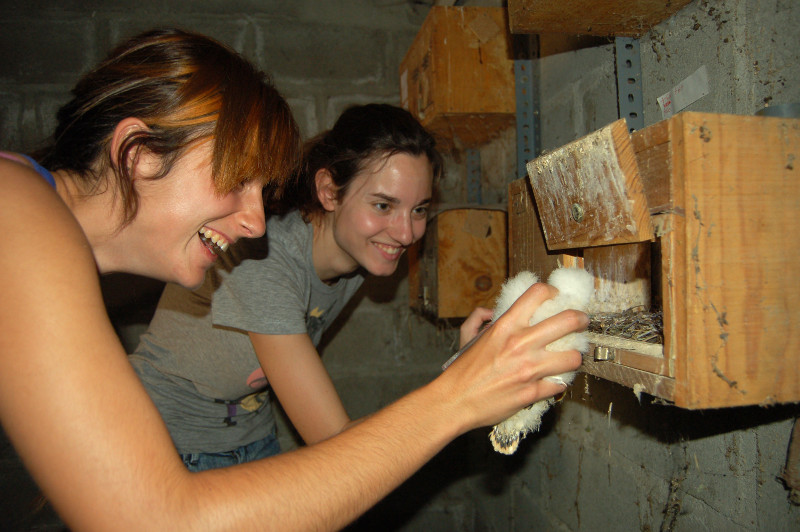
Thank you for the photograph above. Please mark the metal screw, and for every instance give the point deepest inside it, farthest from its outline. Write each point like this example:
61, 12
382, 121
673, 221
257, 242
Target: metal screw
577, 212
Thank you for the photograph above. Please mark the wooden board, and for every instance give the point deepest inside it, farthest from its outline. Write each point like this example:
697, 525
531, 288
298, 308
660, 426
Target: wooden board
652, 148
736, 314
457, 77
589, 192
526, 246
460, 263
622, 277
625, 18
472, 260
642, 381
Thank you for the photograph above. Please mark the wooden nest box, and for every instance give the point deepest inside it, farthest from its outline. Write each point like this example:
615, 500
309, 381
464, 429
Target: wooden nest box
457, 77
692, 217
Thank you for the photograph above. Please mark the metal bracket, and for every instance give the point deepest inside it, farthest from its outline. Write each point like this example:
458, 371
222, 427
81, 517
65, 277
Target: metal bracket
629, 82
474, 175
527, 115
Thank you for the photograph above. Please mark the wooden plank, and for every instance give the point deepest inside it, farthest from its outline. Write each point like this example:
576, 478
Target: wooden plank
588, 192
652, 148
633, 354
472, 259
741, 195
526, 248
638, 380
622, 277
626, 18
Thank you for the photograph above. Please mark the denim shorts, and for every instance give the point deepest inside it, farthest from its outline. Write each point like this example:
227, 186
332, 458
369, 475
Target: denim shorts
269, 446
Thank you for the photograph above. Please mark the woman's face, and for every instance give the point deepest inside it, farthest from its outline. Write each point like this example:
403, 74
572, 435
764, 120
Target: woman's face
182, 223
384, 211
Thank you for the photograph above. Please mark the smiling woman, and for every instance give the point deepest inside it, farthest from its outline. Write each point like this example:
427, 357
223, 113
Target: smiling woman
183, 222
148, 156
171, 104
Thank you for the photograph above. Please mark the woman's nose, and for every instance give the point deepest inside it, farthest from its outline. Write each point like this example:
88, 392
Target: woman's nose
403, 230
251, 216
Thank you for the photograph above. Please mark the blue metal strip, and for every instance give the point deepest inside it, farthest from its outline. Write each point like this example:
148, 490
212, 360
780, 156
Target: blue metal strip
527, 115
629, 82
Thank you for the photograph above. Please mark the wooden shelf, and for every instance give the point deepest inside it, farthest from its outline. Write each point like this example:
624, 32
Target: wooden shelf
623, 18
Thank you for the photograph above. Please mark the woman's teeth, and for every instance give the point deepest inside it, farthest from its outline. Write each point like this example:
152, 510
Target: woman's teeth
214, 241
391, 250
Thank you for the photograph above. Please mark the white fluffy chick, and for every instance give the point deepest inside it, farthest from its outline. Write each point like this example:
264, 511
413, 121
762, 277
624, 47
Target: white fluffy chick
575, 289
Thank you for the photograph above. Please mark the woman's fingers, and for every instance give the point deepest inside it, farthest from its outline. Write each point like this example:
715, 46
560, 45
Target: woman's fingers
524, 307
505, 369
473, 323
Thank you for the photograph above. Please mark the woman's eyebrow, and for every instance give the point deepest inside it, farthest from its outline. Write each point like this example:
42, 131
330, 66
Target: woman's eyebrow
385, 197
391, 199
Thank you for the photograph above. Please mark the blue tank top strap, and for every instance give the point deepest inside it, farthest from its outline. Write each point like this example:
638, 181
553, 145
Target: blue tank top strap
42, 171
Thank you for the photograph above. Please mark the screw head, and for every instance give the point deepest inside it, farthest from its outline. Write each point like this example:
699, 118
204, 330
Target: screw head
577, 212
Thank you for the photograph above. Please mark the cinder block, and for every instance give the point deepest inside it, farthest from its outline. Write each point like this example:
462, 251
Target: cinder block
304, 110
9, 121
45, 51
351, 55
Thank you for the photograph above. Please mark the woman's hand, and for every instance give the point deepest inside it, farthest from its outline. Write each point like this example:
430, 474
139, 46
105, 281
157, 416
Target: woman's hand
504, 370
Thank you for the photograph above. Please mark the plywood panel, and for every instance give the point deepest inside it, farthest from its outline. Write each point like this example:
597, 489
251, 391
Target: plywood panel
652, 148
460, 263
472, 259
622, 277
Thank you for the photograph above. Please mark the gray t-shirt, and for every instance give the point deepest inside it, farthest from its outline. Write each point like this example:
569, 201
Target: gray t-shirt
196, 359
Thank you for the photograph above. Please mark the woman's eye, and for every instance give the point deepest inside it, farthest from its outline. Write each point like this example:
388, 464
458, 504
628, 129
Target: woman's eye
383, 207
421, 211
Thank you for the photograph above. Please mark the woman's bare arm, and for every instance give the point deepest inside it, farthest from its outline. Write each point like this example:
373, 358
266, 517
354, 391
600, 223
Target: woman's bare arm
87, 430
302, 384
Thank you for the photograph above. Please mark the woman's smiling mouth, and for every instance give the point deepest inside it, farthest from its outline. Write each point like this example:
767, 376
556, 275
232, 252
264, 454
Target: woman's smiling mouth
214, 241
390, 251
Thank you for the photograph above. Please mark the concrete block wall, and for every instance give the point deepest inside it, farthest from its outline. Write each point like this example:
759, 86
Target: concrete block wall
323, 56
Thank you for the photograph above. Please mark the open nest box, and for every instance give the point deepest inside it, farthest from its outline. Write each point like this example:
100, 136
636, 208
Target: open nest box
687, 227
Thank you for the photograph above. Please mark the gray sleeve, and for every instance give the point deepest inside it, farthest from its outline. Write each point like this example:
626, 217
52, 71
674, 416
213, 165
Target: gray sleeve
265, 296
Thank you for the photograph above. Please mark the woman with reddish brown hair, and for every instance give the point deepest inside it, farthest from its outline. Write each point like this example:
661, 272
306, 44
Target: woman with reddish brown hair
157, 165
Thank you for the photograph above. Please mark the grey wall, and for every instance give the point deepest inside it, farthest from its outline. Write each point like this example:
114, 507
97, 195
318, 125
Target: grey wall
603, 459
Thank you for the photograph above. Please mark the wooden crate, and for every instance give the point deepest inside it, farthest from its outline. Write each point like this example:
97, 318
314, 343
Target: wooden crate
457, 77
721, 193
460, 263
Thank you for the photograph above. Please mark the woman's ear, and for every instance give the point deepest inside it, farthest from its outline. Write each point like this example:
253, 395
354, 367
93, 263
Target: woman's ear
125, 128
326, 189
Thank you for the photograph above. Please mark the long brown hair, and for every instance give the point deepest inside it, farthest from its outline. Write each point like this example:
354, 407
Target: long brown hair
185, 87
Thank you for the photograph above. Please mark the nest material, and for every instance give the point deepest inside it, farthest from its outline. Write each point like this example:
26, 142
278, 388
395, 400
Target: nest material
633, 324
